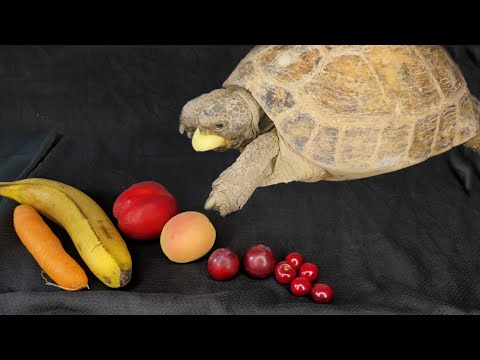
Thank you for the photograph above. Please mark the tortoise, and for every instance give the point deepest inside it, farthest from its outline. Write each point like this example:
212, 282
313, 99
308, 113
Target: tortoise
318, 112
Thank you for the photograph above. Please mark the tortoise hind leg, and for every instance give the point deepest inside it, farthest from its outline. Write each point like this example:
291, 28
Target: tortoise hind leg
474, 143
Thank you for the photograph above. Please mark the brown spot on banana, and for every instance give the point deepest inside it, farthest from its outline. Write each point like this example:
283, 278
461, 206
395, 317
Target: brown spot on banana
125, 277
106, 231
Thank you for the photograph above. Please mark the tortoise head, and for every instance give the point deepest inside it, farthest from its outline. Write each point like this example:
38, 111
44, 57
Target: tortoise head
225, 119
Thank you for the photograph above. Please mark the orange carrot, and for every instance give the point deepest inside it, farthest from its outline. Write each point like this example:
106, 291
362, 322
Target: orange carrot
47, 249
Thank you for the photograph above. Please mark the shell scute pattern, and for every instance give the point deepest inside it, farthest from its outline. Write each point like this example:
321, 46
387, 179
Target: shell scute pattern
354, 109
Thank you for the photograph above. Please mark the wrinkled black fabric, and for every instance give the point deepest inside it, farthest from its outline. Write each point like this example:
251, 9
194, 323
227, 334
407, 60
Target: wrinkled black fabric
400, 243
20, 152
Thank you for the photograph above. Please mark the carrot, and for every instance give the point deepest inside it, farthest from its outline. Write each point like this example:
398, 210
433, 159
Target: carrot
47, 249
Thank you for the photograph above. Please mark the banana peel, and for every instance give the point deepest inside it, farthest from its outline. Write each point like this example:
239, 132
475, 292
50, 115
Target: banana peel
95, 237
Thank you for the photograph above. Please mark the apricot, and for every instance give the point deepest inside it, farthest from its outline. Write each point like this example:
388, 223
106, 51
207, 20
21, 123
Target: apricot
187, 237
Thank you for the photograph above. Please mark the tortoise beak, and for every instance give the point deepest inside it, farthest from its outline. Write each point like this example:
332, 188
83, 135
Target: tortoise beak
202, 142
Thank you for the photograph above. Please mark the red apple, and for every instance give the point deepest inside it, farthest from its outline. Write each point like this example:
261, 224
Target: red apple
143, 209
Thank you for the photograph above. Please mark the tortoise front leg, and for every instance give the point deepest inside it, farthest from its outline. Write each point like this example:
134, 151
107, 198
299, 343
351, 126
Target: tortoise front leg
236, 184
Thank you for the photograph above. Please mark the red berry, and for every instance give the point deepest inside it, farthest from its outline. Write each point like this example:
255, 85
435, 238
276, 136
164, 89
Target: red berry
300, 286
284, 272
309, 271
223, 264
259, 262
295, 258
322, 293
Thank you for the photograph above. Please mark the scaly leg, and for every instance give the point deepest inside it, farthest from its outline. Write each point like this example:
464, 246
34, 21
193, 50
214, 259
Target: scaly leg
236, 184
267, 160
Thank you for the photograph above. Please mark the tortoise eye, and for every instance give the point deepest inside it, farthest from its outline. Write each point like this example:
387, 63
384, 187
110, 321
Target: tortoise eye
219, 125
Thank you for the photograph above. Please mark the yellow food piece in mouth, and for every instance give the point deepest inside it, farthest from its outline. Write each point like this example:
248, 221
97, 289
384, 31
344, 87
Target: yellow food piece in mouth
202, 142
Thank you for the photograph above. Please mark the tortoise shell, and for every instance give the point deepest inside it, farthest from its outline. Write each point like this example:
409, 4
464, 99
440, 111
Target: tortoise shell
359, 110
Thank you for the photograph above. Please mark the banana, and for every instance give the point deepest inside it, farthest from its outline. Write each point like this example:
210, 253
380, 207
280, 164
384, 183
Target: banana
96, 238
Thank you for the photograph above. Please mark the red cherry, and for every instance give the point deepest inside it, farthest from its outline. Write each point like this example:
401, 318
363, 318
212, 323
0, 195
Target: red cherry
295, 258
300, 286
284, 272
259, 262
223, 264
322, 293
309, 271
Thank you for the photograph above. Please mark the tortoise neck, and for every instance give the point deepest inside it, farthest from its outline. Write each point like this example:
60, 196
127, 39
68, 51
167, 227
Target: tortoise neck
254, 107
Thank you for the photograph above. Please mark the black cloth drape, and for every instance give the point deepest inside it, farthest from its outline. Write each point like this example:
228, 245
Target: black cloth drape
104, 117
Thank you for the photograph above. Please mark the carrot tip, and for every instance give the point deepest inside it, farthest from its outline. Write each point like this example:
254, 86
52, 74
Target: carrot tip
62, 287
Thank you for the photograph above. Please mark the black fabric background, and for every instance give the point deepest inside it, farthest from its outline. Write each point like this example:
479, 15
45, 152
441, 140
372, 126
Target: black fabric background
400, 243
